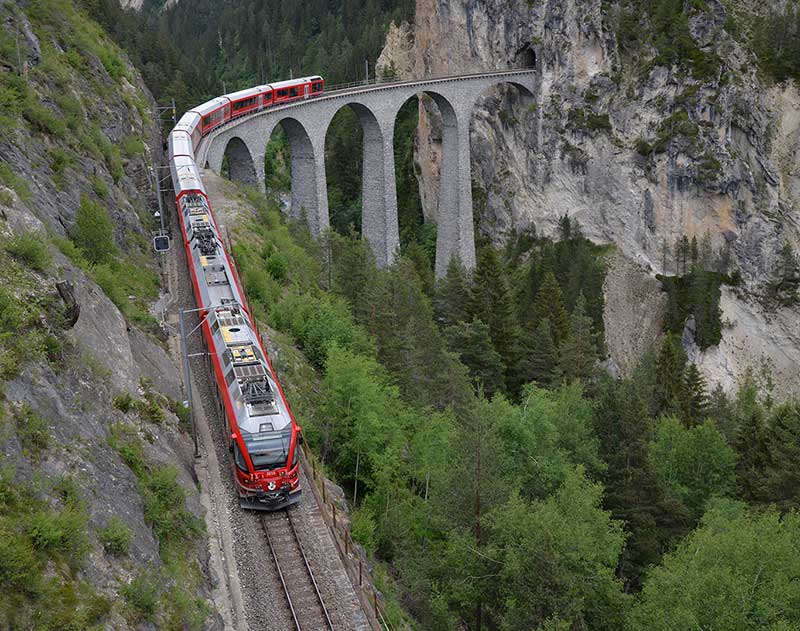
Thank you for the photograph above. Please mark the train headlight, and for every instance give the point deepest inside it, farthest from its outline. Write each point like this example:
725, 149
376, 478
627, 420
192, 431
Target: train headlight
271, 486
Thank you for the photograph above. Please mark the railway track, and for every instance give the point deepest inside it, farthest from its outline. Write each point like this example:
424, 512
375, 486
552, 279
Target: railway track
303, 597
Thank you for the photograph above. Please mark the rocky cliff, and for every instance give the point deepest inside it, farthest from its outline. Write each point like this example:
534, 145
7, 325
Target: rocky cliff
639, 149
99, 514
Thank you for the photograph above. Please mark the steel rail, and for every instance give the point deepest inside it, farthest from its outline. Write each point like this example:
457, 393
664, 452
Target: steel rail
310, 572
280, 574
264, 520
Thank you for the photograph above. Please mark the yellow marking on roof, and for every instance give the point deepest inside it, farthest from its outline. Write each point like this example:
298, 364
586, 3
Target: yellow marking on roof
226, 335
204, 261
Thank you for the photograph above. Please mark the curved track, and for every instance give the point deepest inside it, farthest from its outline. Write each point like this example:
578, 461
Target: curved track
303, 597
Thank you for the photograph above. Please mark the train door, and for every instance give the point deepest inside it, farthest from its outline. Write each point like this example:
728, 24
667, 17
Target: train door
306, 90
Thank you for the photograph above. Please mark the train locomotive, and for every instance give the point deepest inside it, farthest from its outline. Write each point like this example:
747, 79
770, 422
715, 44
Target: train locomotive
260, 428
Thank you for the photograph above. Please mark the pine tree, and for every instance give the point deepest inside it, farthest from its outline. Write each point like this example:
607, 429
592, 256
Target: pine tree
491, 302
694, 399
750, 442
669, 373
706, 253
472, 343
786, 277
783, 474
543, 357
694, 251
452, 294
578, 353
549, 305
634, 492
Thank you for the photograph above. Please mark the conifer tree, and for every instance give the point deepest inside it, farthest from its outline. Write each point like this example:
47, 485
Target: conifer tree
543, 357
694, 250
750, 442
472, 343
491, 302
694, 400
786, 277
783, 474
634, 491
669, 373
549, 305
706, 253
578, 352
452, 295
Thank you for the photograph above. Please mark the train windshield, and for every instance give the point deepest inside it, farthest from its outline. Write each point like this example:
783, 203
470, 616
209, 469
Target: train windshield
269, 450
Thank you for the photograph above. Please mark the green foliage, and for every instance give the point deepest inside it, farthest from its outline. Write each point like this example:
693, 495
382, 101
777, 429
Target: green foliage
362, 527
116, 537
29, 249
165, 507
570, 544
694, 398
664, 25
100, 188
696, 294
93, 232
143, 594
317, 322
784, 286
737, 571
774, 40
669, 373
59, 533
33, 432
472, 342
14, 181
696, 464
578, 360
549, 306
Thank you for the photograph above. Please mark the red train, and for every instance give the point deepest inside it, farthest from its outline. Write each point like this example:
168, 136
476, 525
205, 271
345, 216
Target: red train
263, 434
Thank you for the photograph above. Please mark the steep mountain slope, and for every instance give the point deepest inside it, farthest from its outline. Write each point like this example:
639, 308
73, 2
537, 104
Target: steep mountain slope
99, 521
647, 126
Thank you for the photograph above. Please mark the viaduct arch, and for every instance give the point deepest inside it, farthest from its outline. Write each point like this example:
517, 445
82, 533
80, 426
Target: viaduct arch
243, 143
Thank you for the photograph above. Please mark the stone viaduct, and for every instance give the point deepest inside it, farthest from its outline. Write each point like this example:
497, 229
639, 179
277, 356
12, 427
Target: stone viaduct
243, 141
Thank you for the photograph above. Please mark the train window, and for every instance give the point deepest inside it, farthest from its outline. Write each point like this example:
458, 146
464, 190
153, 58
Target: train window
238, 457
282, 93
292, 91
215, 327
230, 377
240, 105
317, 87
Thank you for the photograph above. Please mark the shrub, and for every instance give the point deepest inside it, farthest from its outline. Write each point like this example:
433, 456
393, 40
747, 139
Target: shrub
124, 402
93, 232
363, 528
100, 188
18, 566
30, 249
132, 146
10, 311
12, 180
62, 533
143, 593
116, 537
165, 506
33, 431
277, 267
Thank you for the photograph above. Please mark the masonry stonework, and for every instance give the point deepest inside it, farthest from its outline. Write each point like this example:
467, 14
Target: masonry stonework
306, 123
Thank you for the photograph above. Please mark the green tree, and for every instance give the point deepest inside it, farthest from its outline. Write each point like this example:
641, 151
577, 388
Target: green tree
785, 282
93, 232
451, 296
738, 570
542, 360
783, 439
549, 305
570, 545
750, 441
491, 302
696, 464
694, 397
471, 342
635, 493
578, 351
669, 369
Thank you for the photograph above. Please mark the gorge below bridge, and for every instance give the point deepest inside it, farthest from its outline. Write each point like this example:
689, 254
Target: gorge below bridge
243, 142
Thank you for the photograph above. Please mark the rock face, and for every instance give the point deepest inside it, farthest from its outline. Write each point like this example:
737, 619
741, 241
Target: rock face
92, 139
640, 156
